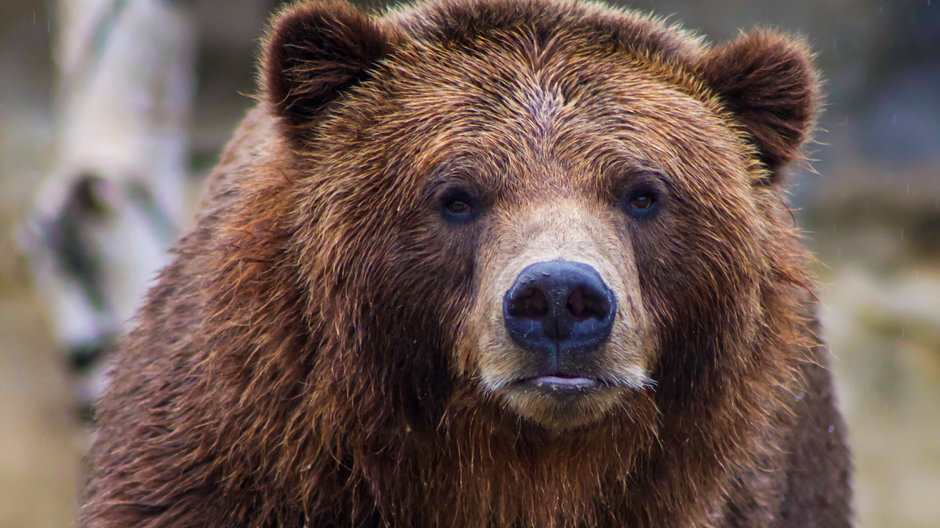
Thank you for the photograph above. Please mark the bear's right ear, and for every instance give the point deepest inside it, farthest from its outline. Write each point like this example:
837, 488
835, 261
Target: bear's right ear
314, 51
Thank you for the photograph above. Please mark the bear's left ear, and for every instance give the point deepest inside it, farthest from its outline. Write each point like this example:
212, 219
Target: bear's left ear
767, 80
314, 51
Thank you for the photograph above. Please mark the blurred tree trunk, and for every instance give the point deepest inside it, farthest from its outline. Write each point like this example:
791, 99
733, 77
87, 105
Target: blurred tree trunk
115, 198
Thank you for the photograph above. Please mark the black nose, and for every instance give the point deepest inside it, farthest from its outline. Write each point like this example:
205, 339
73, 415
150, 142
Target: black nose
559, 307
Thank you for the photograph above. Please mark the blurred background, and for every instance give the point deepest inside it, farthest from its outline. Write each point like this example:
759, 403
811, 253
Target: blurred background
113, 111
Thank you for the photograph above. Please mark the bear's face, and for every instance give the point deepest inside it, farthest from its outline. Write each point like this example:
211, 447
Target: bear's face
548, 219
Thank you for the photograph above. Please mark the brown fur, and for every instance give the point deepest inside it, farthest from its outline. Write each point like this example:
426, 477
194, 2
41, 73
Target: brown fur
324, 350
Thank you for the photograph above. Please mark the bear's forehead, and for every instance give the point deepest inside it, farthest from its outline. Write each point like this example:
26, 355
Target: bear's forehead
535, 81
565, 99
568, 43
510, 72
540, 64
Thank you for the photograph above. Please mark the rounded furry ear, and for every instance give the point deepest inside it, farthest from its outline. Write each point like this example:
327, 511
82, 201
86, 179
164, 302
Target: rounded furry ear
313, 52
767, 80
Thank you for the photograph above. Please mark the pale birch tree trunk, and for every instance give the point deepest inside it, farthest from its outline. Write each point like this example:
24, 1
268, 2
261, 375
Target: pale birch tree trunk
115, 197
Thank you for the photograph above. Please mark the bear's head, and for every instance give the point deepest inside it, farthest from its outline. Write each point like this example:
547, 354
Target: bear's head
570, 216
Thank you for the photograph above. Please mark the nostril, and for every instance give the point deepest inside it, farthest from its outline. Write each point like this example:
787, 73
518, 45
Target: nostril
585, 303
530, 303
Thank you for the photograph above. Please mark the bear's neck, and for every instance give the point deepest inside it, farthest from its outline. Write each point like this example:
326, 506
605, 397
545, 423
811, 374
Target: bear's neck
478, 469
478, 474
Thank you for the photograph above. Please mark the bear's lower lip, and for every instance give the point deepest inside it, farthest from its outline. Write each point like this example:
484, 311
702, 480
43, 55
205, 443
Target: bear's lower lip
561, 382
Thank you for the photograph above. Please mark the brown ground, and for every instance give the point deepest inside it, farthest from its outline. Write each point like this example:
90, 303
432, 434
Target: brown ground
40, 440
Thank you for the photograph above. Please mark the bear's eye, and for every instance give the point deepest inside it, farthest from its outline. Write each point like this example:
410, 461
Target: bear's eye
459, 206
641, 202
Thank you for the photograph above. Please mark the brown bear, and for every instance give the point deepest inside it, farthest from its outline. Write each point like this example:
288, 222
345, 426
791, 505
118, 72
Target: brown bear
488, 263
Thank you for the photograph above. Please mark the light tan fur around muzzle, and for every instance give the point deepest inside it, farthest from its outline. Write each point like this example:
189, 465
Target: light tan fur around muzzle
567, 230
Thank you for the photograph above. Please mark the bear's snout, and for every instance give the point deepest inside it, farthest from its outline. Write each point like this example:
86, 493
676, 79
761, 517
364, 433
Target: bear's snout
559, 309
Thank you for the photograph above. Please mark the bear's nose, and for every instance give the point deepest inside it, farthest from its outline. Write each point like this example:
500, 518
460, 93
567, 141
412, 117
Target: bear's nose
559, 307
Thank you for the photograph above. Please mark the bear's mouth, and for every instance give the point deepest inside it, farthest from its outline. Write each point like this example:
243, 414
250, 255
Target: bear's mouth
568, 398
560, 383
